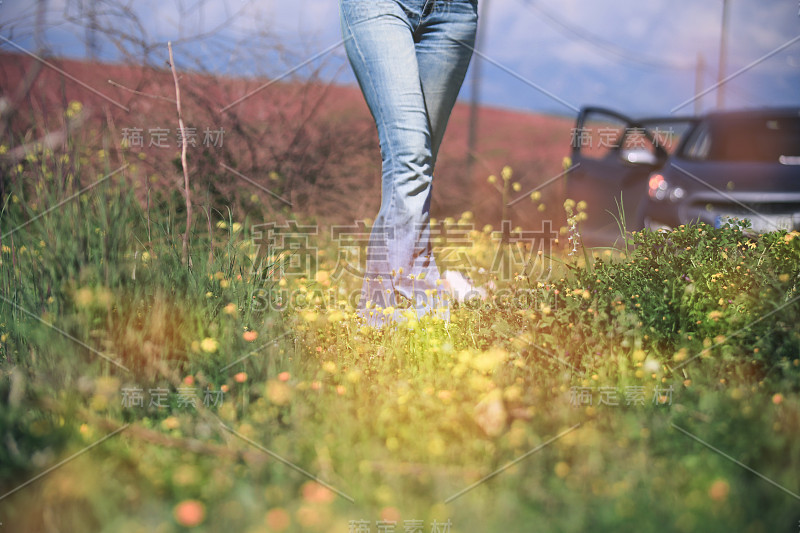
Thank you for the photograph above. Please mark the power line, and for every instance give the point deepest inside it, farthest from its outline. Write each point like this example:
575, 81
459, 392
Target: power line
603, 45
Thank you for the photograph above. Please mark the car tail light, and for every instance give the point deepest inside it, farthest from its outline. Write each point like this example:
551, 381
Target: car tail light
657, 187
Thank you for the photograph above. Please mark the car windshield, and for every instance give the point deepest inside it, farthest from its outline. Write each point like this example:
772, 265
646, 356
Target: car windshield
754, 139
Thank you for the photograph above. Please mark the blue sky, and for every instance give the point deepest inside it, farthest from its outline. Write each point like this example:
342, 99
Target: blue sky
637, 57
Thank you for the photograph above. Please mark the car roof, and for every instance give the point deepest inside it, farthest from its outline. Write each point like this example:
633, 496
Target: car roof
771, 112
729, 114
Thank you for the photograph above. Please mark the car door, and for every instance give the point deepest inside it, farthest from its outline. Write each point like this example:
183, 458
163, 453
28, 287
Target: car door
612, 156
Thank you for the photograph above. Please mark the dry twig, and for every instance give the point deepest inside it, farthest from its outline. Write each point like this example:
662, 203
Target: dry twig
187, 193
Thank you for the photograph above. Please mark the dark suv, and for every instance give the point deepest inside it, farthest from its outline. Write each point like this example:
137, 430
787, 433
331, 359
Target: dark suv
676, 170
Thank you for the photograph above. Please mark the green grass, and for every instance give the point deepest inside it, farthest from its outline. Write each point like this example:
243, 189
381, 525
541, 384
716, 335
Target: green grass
692, 331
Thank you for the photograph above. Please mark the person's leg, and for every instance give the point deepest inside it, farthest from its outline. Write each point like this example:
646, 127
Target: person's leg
446, 37
380, 45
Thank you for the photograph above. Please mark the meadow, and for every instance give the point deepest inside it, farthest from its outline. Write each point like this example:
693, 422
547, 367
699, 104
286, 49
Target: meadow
653, 387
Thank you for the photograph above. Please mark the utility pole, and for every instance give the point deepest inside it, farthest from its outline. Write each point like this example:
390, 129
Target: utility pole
699, 76
472, 140
92, 46
723, 55
41, 16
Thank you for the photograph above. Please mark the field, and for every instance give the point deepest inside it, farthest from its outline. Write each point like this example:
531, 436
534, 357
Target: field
655, 387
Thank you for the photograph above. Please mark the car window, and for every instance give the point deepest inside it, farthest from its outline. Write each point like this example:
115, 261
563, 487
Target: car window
746, 139
699, 144
599, 135
667, 135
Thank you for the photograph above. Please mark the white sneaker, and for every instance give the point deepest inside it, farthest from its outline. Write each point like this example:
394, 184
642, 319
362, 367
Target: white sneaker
461, 287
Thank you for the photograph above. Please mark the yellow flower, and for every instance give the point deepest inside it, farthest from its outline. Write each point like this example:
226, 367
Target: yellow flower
516, 186
506, 173
561, 469
436, 446
492, 179
170, 423
322, 277
278, 392
209, 345
84, 297
488, 361
512, 393
73, 109
536, 196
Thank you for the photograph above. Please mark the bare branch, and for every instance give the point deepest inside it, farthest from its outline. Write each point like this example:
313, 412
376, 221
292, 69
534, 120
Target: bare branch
187, 192
139, 93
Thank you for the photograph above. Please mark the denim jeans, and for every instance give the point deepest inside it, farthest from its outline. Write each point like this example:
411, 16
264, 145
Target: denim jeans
410, 58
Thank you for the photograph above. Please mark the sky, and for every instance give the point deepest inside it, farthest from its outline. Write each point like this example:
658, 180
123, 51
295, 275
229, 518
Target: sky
551, 56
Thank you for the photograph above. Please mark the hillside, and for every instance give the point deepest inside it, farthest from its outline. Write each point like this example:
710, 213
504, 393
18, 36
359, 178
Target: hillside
310, 142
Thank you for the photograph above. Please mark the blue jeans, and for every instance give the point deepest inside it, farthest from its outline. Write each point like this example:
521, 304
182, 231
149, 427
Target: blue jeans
410, 58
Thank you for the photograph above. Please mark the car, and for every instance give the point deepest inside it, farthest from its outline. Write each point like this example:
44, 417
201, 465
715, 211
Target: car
661, 172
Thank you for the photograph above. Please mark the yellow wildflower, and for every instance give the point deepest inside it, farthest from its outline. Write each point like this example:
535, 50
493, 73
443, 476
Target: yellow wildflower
209, 345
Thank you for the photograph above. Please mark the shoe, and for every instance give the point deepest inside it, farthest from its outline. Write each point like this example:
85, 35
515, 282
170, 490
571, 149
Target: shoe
460, 287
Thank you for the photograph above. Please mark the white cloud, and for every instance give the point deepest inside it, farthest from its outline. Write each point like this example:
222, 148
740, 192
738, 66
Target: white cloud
575, 63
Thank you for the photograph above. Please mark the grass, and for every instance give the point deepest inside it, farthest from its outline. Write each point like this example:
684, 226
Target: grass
613, 393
